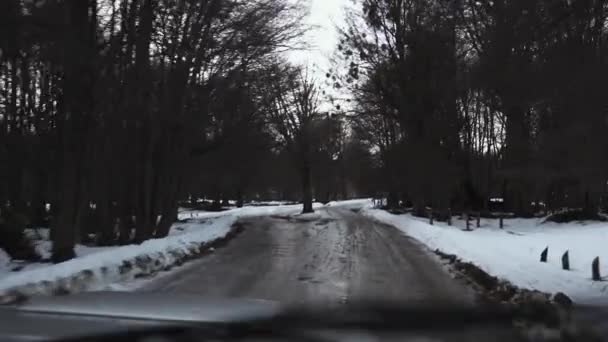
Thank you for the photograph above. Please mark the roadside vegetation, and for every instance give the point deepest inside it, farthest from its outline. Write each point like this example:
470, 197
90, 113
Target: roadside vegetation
116, 113
113, 113
468, 101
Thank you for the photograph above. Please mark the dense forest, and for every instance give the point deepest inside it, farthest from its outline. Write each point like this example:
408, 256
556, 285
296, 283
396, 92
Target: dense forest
114, 113
470, 100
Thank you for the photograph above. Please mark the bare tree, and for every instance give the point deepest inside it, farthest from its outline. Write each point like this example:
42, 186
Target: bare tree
106, 104
294, 107
482, 96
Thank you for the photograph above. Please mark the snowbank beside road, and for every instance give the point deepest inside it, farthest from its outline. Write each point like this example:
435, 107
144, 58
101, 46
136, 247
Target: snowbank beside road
354, 203
280, 209
514, 252
98, 267
245, 211
101, 267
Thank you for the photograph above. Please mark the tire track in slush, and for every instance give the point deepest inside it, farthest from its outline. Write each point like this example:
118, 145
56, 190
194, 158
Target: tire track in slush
337, 258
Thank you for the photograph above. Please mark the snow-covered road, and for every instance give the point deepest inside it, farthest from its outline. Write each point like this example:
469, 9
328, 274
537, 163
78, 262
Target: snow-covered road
332, 257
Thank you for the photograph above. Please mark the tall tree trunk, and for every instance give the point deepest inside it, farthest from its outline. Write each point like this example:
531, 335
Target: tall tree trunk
516, 160
306, 188
145, 212
106, 231
169, 216
63, 224
392, 200
169, 206
124, 230
72, 126
239, 198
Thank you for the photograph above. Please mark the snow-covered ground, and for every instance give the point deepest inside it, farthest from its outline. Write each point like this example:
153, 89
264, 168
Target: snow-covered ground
513, 253
245, 211
97, 267
354, 203
105, 267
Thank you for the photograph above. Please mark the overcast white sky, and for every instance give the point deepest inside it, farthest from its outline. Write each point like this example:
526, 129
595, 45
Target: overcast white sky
324, 14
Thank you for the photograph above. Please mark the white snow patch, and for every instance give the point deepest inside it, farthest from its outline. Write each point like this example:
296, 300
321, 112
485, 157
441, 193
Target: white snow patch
246, 211
268, 203
513, 253
97, 267
354, 203
104, 267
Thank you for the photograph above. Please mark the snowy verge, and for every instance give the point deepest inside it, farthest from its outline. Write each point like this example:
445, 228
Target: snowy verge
513, 253
351, 204
98, 269
245, 211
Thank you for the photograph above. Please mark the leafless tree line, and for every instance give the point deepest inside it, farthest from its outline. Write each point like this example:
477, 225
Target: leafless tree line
467, 100
114, 111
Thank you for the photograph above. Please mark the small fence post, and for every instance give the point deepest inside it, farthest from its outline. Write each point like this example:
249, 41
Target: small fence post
565, 261
431, 216
543, 255
466, 218
595, 269
478, 219
501, 223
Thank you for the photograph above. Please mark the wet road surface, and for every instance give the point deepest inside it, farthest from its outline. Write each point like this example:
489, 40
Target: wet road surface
333, 257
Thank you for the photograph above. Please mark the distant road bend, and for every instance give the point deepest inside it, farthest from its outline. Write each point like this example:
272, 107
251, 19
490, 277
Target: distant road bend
333, 257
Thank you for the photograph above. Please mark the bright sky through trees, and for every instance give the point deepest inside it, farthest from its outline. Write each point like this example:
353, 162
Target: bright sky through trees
324, 16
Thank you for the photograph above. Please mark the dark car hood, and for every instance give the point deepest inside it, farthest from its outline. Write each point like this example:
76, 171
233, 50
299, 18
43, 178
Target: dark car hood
153, 306
103, 312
